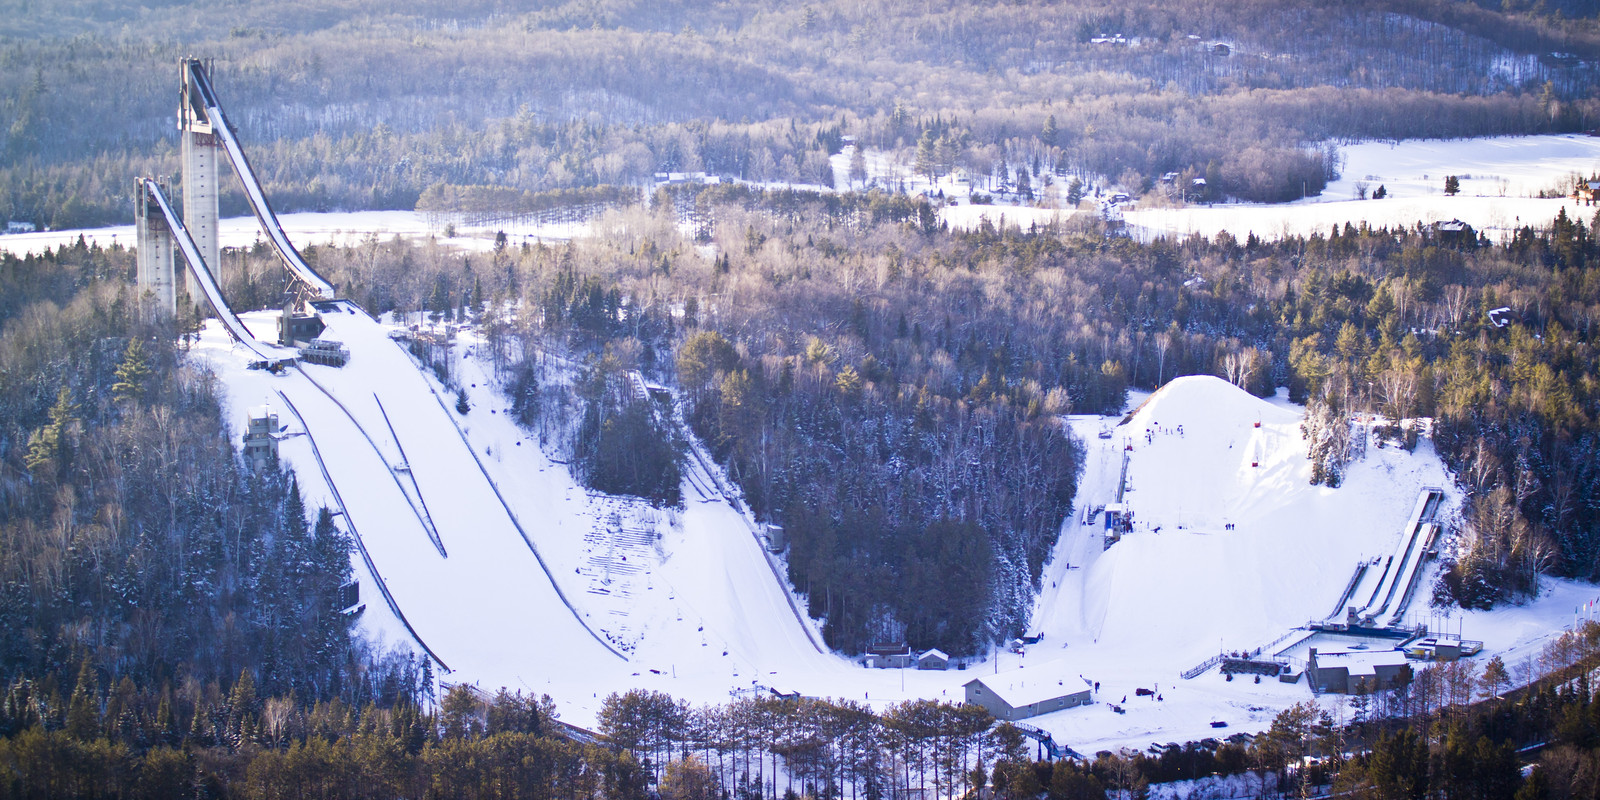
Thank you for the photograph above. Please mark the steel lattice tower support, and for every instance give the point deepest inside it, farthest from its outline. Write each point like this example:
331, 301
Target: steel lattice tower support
157, 266
200, 169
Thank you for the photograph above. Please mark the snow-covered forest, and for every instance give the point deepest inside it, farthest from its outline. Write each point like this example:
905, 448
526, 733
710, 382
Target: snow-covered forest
370, 105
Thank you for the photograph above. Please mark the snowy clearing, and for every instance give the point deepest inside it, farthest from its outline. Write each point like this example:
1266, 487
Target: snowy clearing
1501, 178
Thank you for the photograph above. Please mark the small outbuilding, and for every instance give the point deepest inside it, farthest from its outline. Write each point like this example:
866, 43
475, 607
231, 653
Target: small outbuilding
889, 656
1014, 695
933, 659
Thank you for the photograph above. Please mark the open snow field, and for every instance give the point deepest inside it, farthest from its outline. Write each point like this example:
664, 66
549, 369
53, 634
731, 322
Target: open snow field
1501, 178
316, 228
688, 602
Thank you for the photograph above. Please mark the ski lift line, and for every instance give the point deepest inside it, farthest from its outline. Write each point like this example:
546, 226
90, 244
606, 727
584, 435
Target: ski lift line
427, 524
258, 199
202, 274
427, 517
361, 547
518, 525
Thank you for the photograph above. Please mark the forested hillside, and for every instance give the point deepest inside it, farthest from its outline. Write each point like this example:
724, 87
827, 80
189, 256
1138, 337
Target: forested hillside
887, 389
362, 105
132, 541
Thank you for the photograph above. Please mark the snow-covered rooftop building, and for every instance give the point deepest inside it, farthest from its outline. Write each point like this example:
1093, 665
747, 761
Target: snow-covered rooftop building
1013, 695
933, 659
1357, 671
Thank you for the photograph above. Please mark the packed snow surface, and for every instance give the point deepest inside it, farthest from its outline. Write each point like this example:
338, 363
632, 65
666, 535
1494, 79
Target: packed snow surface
692, 601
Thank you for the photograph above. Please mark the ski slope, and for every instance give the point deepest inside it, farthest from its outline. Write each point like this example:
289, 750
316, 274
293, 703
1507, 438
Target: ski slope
545, 586
689, 595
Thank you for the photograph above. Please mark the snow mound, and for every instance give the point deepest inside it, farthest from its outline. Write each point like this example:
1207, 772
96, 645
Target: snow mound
1201, 402
1206, 454
1231, 548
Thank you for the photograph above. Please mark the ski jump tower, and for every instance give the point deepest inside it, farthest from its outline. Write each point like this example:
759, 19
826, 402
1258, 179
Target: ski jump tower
207, 138
199, 146
157, 267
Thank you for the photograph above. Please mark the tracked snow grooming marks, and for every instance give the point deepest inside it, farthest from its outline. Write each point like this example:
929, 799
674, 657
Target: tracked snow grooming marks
420, 513
355, 534
621, 547
252, 188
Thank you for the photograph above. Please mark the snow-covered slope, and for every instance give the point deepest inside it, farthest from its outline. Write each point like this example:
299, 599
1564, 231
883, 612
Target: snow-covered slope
693, 602
1199, 464
1501, 178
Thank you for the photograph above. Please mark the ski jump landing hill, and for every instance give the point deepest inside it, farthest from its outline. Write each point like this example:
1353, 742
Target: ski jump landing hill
492, 563
357, 425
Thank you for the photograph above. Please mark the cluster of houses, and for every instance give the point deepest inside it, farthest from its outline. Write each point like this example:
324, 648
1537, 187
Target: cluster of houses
900, 656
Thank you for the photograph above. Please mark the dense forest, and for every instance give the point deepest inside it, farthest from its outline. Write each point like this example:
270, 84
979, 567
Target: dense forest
1455, 731
362, 105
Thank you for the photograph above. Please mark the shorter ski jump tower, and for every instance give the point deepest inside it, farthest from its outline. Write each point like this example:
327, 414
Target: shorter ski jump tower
162, 235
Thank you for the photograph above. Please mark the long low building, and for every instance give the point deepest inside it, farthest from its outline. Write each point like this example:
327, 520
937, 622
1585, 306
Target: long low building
1357, 671
1016, 695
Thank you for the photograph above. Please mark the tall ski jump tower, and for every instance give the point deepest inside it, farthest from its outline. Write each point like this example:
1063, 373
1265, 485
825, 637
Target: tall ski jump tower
199, 174
155, 254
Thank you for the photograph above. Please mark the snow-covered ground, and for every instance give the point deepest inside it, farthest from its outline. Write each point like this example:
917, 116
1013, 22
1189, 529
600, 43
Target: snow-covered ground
316, 228
1501, 178
691, 600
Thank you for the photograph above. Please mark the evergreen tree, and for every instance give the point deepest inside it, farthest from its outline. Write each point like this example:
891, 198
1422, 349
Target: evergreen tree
83, 710
132, 373
927, 162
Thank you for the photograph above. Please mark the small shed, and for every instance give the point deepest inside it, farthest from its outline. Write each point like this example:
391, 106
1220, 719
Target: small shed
888, 655
933, 659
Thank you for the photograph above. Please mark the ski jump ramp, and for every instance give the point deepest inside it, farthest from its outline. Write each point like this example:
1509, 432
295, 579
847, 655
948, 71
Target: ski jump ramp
1382, 588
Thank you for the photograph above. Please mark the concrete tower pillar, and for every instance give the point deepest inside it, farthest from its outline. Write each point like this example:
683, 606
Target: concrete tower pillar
200, 169
155, 253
